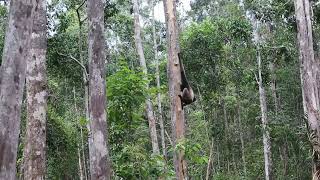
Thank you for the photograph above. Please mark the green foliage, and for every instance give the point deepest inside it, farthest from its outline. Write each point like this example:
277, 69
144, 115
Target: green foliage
126, 95
134, 162
220, 62
129, 136
62, 162
223, 176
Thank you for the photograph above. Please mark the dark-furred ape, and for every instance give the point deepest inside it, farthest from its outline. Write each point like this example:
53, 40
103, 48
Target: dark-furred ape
187, 95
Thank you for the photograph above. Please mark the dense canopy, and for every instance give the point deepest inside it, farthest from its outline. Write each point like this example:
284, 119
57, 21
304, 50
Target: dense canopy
94, 89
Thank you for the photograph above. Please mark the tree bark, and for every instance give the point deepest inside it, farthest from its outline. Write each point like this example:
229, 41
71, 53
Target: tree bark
265, 121
308, 67
80, 164
226, 136
243, 154
163, 141
139, 47
36, 82
209, 165
174, 74
12, 79
81, 172
263, 105
86, 90
274, 87
100, 167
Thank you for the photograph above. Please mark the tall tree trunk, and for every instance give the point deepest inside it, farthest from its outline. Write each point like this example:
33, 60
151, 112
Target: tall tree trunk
308, 66
243, 154
163, 142
12, 79
273, 86
80, 164
174, 74
264, 119
86, 90
81, 172
263, 106
139, 47
226, 136
100, 167
284, 158
209, 165
35, 142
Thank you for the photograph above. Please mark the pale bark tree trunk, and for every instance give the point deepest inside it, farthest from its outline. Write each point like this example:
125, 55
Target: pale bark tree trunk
139, 47
243, 154
86, 90
308, 66
81, 136
264, 118
283, 150
218, 158
226, 135
12, 79
265, 121
263, 106
209, 165
163, 142
174, 74
80, 164
36, 82
100, 167
169, 138
273, 86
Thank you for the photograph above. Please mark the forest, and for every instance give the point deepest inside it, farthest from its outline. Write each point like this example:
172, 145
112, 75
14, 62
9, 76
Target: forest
151, 89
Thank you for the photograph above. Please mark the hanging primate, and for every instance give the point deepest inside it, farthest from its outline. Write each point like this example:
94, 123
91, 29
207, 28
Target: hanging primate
187, 95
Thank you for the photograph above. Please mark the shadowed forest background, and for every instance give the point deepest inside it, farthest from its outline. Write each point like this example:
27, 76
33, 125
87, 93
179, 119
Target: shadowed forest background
250, 120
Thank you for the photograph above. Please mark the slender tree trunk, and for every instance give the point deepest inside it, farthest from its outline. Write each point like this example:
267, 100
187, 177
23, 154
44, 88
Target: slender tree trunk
86, 90
263, 106
138, 42
12, 79
80, 164
218, 158
100, 167
273, 87
163, 142
35, 142
86, 102
243, 154
174, 74
226, 136
210, 160
264, 119
308, 66
284, 157
169, 138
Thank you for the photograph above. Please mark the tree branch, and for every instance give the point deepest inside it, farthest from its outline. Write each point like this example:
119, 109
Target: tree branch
82, 3
169, 138
78, 13
77, 61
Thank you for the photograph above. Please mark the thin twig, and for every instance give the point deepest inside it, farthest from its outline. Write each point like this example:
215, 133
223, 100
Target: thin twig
84, 19
170, 141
